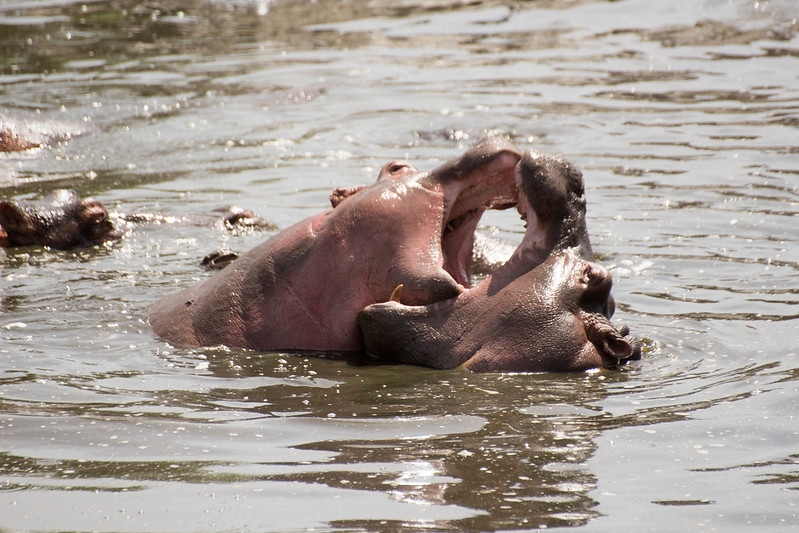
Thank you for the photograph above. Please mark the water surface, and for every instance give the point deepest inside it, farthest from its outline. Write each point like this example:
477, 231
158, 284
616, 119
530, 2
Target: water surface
683, 116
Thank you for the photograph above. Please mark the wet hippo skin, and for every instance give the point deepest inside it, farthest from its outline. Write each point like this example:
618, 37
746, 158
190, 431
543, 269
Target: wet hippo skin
61, 220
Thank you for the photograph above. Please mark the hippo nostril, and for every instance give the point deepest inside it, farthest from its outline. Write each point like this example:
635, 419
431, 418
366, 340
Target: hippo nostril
587, 277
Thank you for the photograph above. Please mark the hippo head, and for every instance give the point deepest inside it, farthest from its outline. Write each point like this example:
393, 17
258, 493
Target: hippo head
547, 308
555, 320
62, 220
423, 222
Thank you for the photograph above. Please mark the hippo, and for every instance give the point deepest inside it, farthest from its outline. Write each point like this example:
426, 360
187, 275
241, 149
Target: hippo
20, 133
488, 251
61, 220
547, 308
303, 288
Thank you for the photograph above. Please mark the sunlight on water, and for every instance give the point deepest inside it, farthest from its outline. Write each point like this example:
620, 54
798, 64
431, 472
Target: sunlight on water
682, 116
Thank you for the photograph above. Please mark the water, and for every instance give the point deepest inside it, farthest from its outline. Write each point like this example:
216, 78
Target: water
683, 116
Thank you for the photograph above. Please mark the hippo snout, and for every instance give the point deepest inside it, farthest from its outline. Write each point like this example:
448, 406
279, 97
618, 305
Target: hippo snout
634, 341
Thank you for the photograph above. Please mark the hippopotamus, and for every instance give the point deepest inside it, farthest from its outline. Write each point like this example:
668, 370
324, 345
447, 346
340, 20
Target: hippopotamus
61, 220
488, 251
547, 308
24, 133
303, 288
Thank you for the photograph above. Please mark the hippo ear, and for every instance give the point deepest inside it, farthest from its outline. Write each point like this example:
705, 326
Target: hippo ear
9, 213
342, 193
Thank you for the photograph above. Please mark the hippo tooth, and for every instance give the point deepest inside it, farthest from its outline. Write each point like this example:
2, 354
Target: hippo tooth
396, 294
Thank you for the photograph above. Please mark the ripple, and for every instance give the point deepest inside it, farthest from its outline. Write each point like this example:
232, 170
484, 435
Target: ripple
680, 117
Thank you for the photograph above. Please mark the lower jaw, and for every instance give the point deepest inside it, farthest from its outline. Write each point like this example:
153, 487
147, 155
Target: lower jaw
611, 363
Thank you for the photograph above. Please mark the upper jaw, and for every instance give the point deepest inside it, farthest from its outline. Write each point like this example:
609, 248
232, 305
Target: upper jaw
481, 179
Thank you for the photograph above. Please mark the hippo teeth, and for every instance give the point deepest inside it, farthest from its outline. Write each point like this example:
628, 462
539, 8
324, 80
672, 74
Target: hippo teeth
396, 294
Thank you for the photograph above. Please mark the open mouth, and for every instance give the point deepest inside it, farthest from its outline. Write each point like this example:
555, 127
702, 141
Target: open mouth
613, 344
457, 243
494, 188
547, 306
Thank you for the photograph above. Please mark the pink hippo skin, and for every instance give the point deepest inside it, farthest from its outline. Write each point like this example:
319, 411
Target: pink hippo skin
303, 288
61, 220
546, 309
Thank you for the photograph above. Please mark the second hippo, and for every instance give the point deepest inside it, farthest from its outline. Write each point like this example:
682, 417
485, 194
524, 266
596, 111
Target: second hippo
61, 220
547, 308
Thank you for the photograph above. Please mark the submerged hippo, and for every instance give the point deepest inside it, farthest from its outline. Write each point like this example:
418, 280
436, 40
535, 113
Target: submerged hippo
304, 288
20, 133
61, 220
547, 308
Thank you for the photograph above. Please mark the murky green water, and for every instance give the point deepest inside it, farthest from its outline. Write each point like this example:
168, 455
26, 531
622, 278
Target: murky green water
683, 116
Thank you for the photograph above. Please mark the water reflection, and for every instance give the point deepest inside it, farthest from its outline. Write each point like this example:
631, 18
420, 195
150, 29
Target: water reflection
682, 116
520, 461
512, 450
